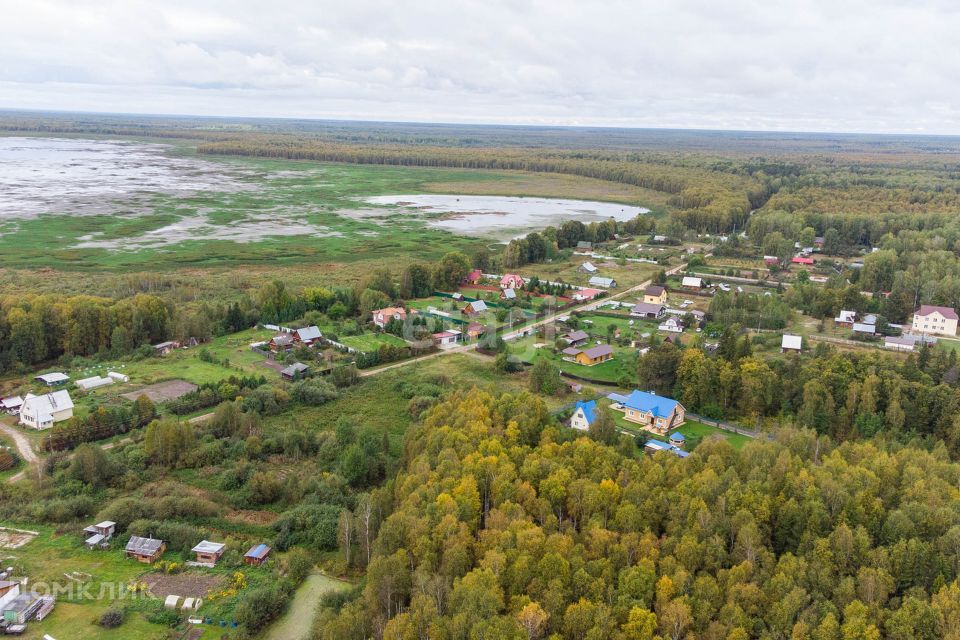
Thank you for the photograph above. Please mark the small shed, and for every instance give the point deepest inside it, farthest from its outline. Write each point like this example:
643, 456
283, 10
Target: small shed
692, 282
257, 555
677, 439
297, 369
11, 405
53, 379
163, 348
145, 550
208, 552
791, 343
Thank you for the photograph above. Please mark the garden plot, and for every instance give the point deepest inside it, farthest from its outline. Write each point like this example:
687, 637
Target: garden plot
15, 538
163, 391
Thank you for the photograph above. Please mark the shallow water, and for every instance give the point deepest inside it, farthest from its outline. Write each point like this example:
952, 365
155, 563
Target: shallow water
75, 176
504, 216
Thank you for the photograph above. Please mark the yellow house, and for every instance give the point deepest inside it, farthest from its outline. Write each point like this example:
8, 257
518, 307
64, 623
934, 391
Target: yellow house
595, 355
655, 294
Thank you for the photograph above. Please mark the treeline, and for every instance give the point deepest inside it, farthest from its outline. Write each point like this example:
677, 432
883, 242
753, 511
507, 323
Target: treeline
503, 525
103, 422
210, 394
541, 246
845, 395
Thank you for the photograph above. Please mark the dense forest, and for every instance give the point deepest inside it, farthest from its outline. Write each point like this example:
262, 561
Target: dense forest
505, 526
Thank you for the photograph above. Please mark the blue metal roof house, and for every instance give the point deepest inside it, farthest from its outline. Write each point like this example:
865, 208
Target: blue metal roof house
649, 409
584, 413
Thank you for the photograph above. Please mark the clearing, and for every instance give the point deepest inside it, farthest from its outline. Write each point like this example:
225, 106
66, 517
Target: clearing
163, 391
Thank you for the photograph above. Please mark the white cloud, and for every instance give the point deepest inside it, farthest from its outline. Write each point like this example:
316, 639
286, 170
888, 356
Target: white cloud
857, 65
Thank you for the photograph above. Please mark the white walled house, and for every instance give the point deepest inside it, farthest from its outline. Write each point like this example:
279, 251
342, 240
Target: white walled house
41, 412
941, 321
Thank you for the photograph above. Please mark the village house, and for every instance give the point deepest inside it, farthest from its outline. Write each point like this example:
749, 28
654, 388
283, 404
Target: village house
475, 308
587, 267
584, 246
845, 319
282, 342
475, 330
42, 412
589, 357
692, 283
937, 320
602, 282
53, 379
512, 281
307, 336
257, 555
791, 343
164, 348
294, 371
907, 342
671, 325
473, 277
145, 550
382, 317
208, 552
575, 338
584, 413
655, 294
650, 310
650, 410
581, 295
448, 337
868, 326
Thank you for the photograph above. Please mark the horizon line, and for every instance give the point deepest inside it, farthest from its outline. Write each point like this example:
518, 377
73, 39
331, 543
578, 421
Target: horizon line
444, 123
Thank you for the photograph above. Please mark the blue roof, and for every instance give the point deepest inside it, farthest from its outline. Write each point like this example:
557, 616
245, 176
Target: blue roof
659, 406
258, 551
663, 446
677, 436
589, 409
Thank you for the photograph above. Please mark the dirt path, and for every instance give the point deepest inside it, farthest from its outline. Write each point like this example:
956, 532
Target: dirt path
296, 622
25, 451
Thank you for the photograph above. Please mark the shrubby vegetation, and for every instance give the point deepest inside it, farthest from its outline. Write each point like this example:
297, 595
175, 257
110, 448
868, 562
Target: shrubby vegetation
503, 526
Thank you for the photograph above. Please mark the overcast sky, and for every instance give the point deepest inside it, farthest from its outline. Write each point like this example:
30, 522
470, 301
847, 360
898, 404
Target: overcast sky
839, 65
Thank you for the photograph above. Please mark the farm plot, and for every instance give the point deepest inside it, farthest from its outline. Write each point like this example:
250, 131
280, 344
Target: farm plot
185, 585
369, 342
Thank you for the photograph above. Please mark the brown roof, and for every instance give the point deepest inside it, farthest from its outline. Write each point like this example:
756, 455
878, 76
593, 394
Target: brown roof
600, 350
946, 312
654, 290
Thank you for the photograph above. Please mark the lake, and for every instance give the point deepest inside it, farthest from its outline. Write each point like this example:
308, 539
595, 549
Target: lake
504, 217
75, 176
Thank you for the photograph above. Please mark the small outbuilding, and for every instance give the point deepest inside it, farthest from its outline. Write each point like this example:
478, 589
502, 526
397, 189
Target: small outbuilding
791, 343
257, 555
145, 550
53, 379
208, 552
294, 371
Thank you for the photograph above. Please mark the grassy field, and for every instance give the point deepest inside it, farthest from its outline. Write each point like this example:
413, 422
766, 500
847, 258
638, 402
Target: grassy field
372, 341
688, 429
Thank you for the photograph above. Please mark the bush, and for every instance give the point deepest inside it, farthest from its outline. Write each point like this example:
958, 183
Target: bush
111, 619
